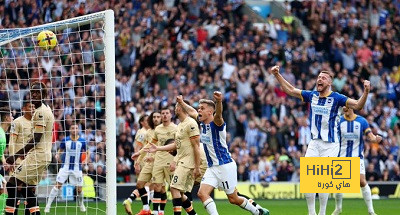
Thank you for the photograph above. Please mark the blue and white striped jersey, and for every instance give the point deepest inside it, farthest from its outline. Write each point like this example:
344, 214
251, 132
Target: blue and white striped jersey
351, 136
324, 114
73, 150
213, 138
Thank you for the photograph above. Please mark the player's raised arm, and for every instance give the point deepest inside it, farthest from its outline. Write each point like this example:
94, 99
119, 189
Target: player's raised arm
218, 119
359, 104
189, 109
286, 86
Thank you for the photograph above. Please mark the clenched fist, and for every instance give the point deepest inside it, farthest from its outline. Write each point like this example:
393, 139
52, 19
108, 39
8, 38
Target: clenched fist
217, 96
367, 86
275, 70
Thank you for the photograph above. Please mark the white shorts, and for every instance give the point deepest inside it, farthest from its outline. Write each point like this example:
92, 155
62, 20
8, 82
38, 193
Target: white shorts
362, 167
223, 177
75, 177
319, 148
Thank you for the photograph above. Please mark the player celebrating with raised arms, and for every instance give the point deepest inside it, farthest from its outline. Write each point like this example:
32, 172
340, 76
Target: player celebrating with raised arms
222, 169
352, 130
73, 148
323, 117
37, 151
188, 160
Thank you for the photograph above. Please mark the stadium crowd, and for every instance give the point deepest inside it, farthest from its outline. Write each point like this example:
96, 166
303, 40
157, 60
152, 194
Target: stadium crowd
171, 47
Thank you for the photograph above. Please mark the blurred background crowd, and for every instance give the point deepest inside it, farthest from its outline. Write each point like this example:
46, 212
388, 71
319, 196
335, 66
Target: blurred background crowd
169, 47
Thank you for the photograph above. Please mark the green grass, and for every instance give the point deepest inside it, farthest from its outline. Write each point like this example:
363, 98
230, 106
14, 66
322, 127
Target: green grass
276, 207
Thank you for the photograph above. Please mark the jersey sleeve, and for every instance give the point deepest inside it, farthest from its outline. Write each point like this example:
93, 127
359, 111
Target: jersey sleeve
193, 129
365, 126
39, 122
15, 128
140, 138
342, 99
154, 136
306, 95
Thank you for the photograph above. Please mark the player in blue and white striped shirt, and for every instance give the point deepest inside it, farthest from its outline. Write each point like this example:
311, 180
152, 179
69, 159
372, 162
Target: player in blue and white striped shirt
352, 129
73, 148
323, 120
222, 170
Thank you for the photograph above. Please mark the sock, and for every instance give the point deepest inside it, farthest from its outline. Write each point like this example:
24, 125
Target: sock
249, 207
80, 198
156, 201
188, 207
3, 199
143, 197
210, 206
151, 196
133, 196
250, 200
338, 200
366, 192
189, 195
53, 194
177, 203
323, 201
310, 197
163, 201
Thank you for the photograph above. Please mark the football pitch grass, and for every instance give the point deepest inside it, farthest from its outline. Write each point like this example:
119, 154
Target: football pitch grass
276, 207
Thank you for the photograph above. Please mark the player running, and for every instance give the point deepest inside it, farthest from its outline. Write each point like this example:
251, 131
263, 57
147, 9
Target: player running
188, 160
222, 170
20, 134
6, 119
324, 118
145, 168
162, 161
37, 154
352, 129
72, 149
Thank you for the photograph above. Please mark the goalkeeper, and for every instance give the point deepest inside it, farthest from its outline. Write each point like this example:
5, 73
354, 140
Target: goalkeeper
6, 118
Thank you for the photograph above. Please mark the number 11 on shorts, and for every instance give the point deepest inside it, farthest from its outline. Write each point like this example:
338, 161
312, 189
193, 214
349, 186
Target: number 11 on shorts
225, 185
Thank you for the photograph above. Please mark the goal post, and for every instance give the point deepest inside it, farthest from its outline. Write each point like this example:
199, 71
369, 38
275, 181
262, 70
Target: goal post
110, 112
93, 37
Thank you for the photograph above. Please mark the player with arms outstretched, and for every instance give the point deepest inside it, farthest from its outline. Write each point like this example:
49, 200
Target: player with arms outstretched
323, 117
221, 171
37, 154
352, 129
20, 134
72, 150
143, 168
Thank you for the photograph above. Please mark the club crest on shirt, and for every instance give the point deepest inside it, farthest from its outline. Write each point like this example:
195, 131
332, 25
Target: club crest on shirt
329, 100
356, 126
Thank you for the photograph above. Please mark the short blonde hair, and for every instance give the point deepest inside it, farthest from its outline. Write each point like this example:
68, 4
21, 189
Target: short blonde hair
207, 102
328, 73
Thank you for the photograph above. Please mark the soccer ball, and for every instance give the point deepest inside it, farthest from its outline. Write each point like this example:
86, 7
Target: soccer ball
47, 40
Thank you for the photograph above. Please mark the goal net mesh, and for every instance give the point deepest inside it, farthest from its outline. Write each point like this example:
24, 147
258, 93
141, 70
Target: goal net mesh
74, 73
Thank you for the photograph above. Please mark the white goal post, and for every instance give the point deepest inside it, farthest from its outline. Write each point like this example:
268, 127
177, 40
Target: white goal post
8, 36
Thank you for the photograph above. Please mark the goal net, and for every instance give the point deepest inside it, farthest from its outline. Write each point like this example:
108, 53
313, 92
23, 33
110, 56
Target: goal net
79, 75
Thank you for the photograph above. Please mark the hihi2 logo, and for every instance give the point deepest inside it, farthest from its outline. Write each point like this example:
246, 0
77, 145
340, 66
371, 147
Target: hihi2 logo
329, 175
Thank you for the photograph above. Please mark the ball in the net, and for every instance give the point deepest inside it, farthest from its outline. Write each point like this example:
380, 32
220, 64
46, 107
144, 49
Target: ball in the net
47, 40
